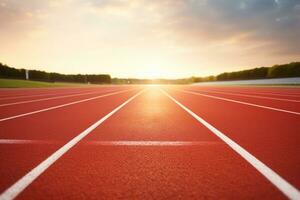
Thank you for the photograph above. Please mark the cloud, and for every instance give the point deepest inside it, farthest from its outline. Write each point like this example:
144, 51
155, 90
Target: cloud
18, 14
270, 24
276, 24
181, 32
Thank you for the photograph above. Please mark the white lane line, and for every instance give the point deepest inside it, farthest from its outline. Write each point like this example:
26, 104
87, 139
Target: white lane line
271, 94
152, 143
20, 141
241, 102
16, 141
247, 95
14, 190
37, 95
51, 98
285, 187
60, 106
259, 93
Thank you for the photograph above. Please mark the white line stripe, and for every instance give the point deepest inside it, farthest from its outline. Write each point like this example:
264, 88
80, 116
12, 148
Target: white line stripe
241, 102
262, 93
20, 141
15, 141
152, 143
37, 95
60, 106
272, 94
51, 98
285, 187
247, 95
14, 190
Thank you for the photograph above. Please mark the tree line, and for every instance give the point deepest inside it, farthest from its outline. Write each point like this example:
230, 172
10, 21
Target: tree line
10, 72
276, 71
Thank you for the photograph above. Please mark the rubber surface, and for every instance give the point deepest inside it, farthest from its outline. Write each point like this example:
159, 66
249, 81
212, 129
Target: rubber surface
151, 148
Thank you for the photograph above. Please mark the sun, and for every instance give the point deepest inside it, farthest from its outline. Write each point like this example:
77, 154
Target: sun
153, 71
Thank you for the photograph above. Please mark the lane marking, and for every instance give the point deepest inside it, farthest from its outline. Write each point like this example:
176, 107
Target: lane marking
271, 94
16, 141
20, 141
51, 98
37, 95
14, 190
241, 102
285, 187
262, 93
60, 106
247, 95
152, 143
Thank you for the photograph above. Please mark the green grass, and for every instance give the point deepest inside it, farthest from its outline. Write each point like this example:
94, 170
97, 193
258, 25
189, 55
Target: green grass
14, 83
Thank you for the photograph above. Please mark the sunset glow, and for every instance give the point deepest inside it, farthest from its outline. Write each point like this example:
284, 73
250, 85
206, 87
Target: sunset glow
148, 39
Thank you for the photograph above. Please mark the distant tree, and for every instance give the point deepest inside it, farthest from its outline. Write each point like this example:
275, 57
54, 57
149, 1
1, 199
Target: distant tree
286, 70
9, 72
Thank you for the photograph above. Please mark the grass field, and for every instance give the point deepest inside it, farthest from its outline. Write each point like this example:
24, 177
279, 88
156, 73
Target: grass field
13, 83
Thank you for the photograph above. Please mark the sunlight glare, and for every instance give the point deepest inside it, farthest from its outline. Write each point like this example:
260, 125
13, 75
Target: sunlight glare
153, 71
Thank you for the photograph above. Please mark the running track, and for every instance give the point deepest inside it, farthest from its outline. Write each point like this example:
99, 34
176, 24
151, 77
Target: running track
150, 142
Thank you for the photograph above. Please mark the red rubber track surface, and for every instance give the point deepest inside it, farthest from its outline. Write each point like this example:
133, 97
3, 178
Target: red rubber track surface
12, 110
272, 136
55, 127
151, 148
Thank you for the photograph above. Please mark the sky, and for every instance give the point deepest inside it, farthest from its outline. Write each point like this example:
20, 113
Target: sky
148, 38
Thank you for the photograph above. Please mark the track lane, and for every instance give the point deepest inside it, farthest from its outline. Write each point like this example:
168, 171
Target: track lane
16, 111
48, 123
56, 127
276, 92
287, 107
51, 98
249, 95
20, 92
209, 169
14, 99
284, 186
258, 94
35, 96
269, 135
